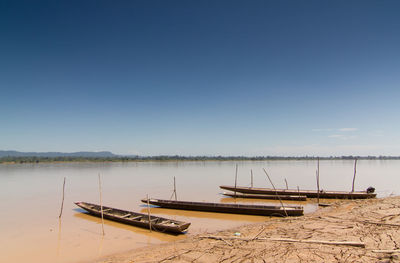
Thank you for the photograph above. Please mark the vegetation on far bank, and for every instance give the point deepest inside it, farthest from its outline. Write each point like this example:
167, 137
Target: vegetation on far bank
41, 159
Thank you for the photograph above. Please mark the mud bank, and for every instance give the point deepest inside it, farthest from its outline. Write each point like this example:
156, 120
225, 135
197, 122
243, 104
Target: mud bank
347, 231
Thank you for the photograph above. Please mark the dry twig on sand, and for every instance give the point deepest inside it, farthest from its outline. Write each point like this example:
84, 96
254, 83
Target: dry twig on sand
324, 242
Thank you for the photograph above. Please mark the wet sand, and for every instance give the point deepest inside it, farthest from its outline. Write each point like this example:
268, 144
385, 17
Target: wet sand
374, 223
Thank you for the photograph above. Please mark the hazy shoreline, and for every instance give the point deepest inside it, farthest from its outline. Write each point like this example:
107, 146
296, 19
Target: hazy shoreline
38, 159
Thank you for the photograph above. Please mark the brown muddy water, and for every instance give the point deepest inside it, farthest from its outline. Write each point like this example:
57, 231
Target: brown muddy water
31, 194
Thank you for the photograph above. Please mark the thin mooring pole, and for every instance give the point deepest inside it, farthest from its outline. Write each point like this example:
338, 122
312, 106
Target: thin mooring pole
148, 211
176, 197
354, 177
236, 178
287, 187
174, 191
101, 207
62, 203
276, 192
317, 174
251, 171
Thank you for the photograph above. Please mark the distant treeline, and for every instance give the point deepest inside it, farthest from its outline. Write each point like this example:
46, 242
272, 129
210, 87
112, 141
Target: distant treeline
34, 159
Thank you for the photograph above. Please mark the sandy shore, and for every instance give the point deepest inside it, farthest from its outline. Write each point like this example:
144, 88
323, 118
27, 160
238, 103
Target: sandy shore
372, 225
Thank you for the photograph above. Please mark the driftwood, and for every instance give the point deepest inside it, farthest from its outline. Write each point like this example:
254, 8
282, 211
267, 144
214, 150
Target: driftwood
386, 251
324, 242
379, 223
175, 256
259, 233
364, 221
324, 205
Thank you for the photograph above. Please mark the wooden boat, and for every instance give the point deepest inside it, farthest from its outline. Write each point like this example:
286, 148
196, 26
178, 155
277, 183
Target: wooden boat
136, 219
229, 208
270, 197
308, 193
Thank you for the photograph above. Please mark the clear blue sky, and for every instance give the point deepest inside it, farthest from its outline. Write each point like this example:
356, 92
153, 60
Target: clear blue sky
201, 77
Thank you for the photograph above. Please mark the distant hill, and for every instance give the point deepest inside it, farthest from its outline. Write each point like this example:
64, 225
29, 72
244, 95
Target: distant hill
103, 154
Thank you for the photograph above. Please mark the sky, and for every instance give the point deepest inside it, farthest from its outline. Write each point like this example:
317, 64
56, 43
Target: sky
252, 78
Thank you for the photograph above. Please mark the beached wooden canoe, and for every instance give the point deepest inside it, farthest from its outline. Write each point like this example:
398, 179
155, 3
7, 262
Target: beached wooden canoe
229, 208
136, 219
270, 197
308, 193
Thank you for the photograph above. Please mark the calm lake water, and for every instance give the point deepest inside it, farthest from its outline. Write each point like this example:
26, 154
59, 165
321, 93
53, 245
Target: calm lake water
31, 196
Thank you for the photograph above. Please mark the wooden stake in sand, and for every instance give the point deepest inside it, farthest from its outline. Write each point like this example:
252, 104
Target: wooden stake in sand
354, 177
317, 173
148, 211
62, 203
101, 207
276, 192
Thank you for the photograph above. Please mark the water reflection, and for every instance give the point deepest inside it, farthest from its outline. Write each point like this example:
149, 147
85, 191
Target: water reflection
309, 206
239, 200
101, 243
59, 238
171, 213
136, 230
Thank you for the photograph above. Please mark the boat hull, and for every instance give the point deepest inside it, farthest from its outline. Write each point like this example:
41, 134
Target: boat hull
136, 219
308, 193
228, 208
269, 197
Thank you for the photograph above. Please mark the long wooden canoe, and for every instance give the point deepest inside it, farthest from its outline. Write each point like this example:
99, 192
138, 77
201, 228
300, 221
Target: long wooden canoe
270, 197
229, 208
136, 219
308, 193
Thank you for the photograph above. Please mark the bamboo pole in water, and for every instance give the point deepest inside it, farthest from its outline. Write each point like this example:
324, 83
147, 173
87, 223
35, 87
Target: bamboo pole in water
101, 207
176, 197
287, 187
236, 178
276, 192
148, 211
62, 202
174, 191
354, 177
251, 171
